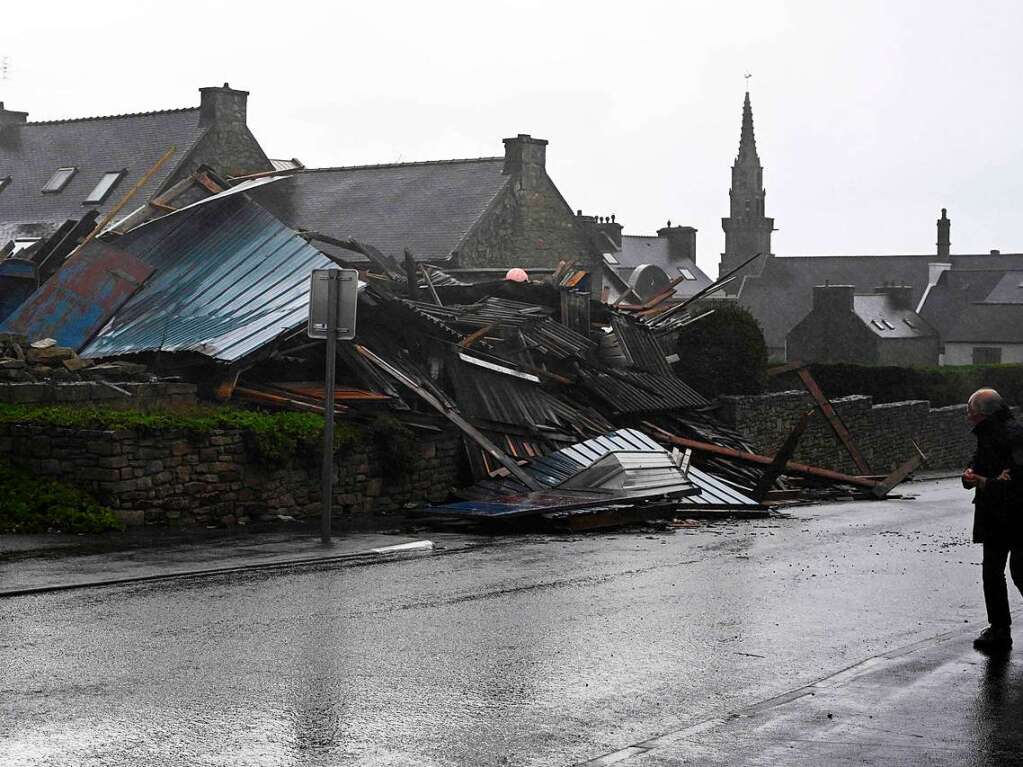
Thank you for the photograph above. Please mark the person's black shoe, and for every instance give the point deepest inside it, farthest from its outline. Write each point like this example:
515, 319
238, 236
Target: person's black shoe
994, 639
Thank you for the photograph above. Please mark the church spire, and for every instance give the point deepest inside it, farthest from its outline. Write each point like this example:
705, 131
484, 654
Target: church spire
747, 141
747, 227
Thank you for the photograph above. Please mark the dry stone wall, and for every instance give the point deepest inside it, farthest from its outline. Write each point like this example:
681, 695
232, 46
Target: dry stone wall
883, 433
178, 478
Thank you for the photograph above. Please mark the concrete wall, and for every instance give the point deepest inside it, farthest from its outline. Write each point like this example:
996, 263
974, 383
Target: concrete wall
174, 478
883, 433
962, 354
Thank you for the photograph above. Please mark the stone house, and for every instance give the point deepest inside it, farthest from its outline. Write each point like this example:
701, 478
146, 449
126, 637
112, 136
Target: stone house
58, 170
874, 329
475, 218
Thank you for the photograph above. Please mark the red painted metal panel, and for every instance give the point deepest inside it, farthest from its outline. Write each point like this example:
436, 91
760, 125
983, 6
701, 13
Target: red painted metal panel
78, 300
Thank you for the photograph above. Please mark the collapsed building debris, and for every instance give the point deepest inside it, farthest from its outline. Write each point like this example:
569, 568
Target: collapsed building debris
565, 403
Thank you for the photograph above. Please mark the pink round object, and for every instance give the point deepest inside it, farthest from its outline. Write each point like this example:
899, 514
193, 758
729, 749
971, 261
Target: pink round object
517, 275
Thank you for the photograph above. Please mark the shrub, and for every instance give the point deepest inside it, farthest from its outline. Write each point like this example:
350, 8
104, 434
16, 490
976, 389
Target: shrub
723, 353
396, 443
29, 504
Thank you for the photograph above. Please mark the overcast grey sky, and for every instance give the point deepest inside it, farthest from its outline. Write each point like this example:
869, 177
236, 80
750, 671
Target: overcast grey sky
870, 116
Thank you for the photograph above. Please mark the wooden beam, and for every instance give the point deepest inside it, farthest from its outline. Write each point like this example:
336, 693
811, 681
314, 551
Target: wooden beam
476, 335
791, 467
455, 417
785, 452
429, 284
882, 488
833, 419
783, 369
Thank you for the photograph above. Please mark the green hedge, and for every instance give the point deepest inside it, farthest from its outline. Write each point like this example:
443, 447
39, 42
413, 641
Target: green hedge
941, 385
723, 353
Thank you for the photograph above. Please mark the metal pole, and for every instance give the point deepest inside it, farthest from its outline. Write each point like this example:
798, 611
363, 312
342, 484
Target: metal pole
327, 471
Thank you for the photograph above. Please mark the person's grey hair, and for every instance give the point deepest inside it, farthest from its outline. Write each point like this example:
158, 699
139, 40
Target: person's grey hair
985, 402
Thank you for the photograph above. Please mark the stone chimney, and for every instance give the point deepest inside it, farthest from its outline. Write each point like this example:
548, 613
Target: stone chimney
681, 241
10, 118
944, 243
901, 296
833, 298
526, 157
223, 105
609, 227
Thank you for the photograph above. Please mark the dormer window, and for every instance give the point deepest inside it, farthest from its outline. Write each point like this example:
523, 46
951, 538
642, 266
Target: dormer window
686, 273
104, 187
5, 181
59, 180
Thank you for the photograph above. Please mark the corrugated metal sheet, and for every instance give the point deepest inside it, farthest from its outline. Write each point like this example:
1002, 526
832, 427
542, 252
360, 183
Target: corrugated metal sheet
632, 391
229, 278
84, 294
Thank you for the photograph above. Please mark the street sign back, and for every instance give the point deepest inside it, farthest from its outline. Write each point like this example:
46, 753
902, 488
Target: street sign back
348, 299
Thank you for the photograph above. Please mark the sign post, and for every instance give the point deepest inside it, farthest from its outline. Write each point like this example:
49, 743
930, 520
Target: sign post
333, 297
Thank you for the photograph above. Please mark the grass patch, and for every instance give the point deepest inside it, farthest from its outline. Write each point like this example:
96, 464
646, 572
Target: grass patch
30, 504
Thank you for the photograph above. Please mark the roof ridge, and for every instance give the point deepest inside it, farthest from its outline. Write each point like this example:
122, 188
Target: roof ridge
299, 171
112, 117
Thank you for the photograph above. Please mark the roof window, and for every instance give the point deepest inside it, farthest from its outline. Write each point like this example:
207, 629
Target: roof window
104, 187
610, 259
59, 180
877, 324
909, 322
686, 273
887, 324
5, 181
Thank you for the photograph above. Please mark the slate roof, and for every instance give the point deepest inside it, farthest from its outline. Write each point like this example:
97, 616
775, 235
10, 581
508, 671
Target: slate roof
903, 322
31, 152
1009, 289
988, 324
428, 207
954, 291
638, 250
782, 294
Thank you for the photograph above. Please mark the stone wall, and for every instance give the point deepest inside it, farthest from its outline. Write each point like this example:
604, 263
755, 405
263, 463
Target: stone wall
177, 478
883, 433
122, 396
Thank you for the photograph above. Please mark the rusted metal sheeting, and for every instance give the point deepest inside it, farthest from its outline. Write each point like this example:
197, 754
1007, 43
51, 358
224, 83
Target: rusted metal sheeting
230, 278
85, 293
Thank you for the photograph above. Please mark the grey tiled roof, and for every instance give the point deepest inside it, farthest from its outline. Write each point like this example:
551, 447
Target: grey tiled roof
905, 323
1009, 289
955, 290
638, 250
427, 207
988, 324
783, 293
30, 153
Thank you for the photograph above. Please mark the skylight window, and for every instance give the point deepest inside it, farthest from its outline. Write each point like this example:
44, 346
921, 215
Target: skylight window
4, 182
888, 325
877, 324
909, 322
104, 187
610, 259
686, 273
59, 180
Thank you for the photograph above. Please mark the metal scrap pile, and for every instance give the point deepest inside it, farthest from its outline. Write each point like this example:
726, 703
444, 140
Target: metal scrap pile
568, 406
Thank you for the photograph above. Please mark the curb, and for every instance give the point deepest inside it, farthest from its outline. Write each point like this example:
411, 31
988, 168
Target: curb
385, 553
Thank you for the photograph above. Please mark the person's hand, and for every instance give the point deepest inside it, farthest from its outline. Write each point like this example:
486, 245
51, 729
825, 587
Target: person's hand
970, 478
1005, 476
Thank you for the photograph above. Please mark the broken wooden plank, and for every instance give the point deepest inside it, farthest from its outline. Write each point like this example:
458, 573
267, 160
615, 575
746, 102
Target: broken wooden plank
788, 367
781, 458
455, 417
882, 488
791, 467
429, 284
834, 420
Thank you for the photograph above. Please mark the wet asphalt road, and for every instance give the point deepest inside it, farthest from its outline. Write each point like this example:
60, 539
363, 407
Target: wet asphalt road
536, 651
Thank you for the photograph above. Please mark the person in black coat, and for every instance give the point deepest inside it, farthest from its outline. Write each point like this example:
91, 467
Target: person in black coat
996, 475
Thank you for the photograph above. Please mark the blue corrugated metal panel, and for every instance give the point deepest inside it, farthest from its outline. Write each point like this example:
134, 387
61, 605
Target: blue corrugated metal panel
78, 299
229, 278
